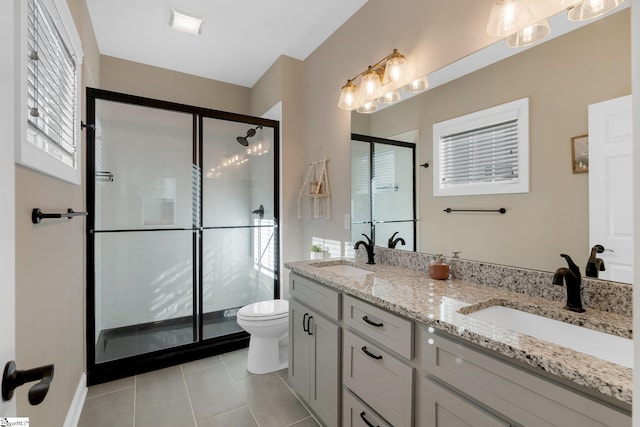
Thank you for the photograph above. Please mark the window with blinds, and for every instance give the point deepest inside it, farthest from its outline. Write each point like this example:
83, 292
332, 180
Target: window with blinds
52, 79
484, 152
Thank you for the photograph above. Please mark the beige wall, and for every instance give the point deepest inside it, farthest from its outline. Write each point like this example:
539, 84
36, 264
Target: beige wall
282, 83
431, 34
134, 78
331, 64
561, 78
50, 282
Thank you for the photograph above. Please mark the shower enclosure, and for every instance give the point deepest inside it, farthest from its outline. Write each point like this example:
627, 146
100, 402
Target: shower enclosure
182, 230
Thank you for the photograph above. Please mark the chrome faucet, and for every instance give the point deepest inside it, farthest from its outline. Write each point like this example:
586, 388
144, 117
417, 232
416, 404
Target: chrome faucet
572, 278
392, 243
368, 246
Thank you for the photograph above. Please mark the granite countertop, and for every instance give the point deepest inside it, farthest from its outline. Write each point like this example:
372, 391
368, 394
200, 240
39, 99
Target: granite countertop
441, 304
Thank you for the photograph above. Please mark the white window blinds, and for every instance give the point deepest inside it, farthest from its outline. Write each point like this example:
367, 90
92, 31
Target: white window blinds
483, 153
48, 93
52, 86
486, 154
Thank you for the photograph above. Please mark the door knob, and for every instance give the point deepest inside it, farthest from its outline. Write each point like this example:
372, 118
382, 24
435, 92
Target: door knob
13, 378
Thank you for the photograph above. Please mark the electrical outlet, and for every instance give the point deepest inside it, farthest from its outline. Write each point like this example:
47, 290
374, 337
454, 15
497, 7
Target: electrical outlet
347, 221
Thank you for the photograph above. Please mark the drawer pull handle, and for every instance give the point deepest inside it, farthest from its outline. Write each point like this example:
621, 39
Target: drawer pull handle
304, 323
309, 325
371, 322
368, 353
366, 421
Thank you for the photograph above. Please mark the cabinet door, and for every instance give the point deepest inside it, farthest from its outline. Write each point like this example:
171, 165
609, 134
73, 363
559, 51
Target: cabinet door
444, 408
381, 380
356, 413
324, 386
299, 355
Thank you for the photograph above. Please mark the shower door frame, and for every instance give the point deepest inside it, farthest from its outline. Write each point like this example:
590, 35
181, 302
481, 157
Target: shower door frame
120, 368
372, 140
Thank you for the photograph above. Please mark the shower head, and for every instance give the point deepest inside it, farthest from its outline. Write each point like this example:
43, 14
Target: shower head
243, 139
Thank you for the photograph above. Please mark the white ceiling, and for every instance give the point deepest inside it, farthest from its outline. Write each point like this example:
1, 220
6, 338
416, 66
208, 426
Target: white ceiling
240, 39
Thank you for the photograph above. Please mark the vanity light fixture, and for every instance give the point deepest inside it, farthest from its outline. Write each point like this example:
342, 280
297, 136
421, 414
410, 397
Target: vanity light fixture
508, 16
185, 22
589, 9
529, 35
379, 84
512, 19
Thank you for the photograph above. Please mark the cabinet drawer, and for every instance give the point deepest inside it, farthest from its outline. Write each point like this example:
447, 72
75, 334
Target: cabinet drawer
442, 407
388, 329
322, 298
355, 413
511, 391
379, 379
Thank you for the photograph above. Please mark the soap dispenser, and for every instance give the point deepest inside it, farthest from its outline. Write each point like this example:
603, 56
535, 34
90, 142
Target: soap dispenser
438, 269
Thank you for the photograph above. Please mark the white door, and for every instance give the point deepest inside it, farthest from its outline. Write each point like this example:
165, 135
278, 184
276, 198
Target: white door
610, 186
7, 196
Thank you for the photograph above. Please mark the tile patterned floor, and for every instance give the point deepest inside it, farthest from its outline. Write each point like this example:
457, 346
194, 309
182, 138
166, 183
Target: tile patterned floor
214, 392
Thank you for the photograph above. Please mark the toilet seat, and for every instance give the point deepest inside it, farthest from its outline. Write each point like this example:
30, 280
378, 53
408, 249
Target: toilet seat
265, 310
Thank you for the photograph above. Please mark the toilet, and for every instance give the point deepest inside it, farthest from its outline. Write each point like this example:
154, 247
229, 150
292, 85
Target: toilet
268, 324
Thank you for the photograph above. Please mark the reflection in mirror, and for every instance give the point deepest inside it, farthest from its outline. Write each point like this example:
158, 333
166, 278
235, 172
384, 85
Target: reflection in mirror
383, 191
561, 77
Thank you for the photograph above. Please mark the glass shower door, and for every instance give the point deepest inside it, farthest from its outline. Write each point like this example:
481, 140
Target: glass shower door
383, 190
182, 230
239, 221
143, 237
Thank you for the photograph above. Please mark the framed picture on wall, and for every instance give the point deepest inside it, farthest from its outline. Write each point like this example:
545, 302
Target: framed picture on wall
580, 153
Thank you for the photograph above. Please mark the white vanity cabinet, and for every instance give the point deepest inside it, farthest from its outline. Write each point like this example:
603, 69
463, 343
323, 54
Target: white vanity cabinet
357, 364
377, 348
442, 407
502, 392
314, 348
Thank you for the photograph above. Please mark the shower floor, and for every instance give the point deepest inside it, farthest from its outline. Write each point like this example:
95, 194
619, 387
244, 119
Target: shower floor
127, 341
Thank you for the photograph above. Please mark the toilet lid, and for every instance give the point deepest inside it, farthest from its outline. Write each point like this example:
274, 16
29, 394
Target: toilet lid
272, 309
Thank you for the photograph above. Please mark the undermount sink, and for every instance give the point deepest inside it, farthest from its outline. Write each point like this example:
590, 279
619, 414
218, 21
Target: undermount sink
346, 270
605, 346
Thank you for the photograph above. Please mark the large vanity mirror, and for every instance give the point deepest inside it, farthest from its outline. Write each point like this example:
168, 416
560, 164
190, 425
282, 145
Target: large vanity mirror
561, 78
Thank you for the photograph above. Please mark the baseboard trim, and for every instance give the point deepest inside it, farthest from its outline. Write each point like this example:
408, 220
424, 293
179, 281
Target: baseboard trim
73, 414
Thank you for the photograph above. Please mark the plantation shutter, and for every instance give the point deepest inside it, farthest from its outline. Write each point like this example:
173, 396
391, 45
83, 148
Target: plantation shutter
51, 87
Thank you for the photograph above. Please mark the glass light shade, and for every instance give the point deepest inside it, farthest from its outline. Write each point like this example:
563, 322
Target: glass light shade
508, 16
396, 70
370, 87
418, 85
529, 35
368, 107
390, 97
348, 97
565, 3
590, 9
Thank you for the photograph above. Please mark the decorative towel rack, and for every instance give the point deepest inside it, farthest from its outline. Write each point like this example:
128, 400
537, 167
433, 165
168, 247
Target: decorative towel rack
501, 210
37, 215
